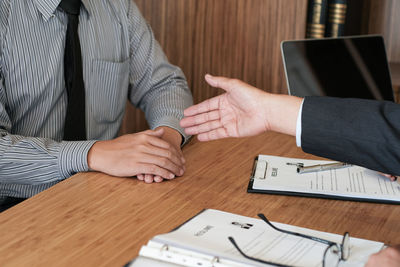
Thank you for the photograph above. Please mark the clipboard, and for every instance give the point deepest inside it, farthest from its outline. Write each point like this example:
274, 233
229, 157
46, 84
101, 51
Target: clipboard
272, 175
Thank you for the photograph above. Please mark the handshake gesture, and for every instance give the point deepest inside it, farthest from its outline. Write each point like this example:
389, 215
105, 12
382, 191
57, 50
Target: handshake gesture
242, 111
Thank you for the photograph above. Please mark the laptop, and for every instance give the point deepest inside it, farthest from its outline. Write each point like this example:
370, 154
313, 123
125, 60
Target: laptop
354, 66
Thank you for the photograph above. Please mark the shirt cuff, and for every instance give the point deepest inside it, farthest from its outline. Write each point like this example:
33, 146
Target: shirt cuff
298, 126
73, 157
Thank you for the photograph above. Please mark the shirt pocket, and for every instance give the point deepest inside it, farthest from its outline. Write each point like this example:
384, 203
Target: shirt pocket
109, 90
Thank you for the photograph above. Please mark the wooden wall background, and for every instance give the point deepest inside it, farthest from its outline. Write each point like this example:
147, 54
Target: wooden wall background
383, 17
241, 39
234, 38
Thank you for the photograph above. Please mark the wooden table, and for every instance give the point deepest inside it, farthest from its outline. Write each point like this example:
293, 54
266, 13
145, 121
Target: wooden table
93, 219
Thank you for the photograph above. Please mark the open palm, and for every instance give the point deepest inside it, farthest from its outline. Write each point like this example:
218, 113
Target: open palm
233, 114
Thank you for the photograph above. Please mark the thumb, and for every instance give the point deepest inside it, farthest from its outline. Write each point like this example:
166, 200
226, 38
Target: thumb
219, 82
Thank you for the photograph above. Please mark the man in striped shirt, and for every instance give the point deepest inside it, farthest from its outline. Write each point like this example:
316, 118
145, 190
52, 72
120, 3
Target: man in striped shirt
121, 60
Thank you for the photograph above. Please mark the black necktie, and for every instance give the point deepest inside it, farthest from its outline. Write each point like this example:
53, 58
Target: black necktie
74, 128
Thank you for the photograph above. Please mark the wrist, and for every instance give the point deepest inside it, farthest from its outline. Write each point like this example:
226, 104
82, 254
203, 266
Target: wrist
172, 136
92, 160
282, 112
269, 103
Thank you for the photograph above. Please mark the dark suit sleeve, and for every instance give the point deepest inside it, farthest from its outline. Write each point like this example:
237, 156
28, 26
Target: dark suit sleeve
356, 131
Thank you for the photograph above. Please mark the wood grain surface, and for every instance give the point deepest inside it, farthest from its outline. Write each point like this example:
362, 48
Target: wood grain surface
93, 219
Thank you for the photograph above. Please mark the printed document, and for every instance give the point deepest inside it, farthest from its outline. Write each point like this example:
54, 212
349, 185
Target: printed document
279, 174
203, 241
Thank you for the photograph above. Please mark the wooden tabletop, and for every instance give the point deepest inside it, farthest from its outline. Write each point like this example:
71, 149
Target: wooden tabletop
93, 219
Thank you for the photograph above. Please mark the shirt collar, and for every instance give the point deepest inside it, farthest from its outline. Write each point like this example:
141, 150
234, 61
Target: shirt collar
48, 7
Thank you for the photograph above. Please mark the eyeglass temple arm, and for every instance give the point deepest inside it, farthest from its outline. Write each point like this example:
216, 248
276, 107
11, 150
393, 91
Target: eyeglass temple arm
324, 241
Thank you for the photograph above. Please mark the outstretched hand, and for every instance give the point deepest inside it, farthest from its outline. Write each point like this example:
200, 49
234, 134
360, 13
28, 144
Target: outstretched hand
242, 111
237, 113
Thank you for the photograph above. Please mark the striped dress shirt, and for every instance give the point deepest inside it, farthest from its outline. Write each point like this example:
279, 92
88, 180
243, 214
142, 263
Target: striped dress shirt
121, 60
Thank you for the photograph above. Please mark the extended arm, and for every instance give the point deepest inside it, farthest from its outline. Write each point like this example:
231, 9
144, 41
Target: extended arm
361, 132
242, 111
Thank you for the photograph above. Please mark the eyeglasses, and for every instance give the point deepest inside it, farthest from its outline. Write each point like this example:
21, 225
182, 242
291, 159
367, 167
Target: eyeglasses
333, 254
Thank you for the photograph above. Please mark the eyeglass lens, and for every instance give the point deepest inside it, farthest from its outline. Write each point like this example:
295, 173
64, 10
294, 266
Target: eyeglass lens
345, 246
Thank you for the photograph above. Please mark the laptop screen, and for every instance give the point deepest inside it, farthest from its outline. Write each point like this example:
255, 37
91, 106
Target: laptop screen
341, 67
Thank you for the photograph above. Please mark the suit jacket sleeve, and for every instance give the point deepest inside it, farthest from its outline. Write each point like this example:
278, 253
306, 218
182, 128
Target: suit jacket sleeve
356, 131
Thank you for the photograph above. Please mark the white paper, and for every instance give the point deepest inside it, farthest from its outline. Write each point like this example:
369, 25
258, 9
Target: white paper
208, 234
273, 173
146, 262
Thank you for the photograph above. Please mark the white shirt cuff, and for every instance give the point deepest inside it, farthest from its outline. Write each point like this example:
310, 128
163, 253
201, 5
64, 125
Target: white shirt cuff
298, 126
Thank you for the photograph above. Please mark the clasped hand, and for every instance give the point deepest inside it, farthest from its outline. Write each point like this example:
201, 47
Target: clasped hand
149, 155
